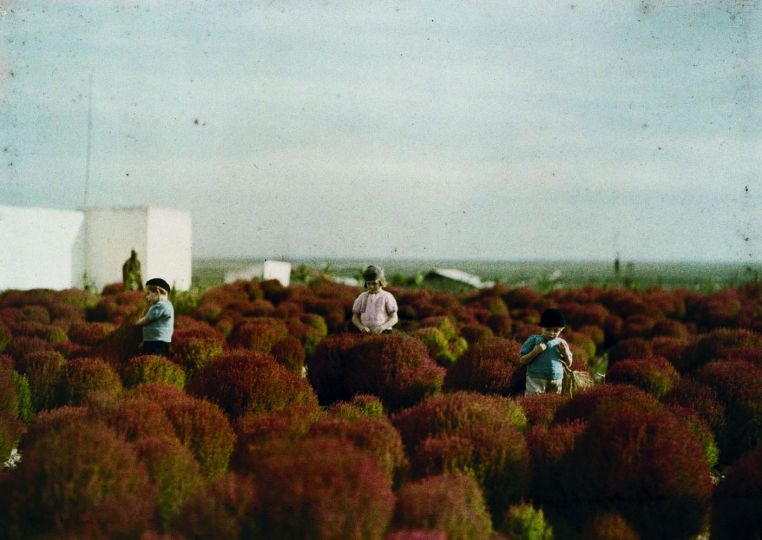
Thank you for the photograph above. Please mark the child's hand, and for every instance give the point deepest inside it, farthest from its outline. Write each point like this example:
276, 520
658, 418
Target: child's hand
540, 347
365, 330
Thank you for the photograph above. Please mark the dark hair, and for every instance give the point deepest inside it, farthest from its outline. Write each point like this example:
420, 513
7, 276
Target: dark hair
552, 318
160, 283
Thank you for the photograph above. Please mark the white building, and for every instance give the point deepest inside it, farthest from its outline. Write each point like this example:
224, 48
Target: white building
59, 249
279, 270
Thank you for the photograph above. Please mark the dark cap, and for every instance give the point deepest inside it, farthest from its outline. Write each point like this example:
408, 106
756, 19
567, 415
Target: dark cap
552, 318
374, 273
158, 282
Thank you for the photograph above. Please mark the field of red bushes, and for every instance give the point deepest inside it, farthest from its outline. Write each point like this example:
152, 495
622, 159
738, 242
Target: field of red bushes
419, 434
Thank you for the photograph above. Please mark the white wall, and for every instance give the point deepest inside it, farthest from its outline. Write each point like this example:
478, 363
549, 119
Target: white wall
54, 249
41, 248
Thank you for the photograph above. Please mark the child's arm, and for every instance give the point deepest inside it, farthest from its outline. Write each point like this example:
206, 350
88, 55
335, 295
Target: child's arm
566, 354
531, 355
391, 321
358, 323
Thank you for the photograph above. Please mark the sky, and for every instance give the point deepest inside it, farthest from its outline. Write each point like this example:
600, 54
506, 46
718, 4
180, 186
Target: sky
496, 130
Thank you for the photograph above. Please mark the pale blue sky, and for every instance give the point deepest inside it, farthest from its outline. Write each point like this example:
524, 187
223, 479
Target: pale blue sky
494, 130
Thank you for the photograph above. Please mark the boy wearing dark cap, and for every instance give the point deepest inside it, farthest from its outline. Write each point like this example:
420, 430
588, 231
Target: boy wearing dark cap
546, 354
159, 321
375, 310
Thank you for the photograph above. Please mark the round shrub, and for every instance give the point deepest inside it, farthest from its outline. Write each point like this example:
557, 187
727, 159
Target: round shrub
541, 408
701, 430
45, 372
629, 349
638, 326
194, 347
9, 396
716, 345
24, 395
84, 375
257, 334
475, 332
173, 472
738, 498
444, 324
648, 464
153, 368
135, 418
500, 324
435, 342
655, 375
702, 399
739, 386
245, 381
604, 397
5, 337
549, 449
340, 491
222, 510
21, 346
326, 369
407, 534
609, 526
376, 435
450, 503
79, 480
671, 328
525, 521
488, 367
395, 367
289, 353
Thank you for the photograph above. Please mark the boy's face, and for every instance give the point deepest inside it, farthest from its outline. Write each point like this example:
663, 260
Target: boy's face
373, 286
552, 333
153, 295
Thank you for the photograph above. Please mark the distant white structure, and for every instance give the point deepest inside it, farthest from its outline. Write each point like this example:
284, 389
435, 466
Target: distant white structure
279, 270
58, 249
458, 277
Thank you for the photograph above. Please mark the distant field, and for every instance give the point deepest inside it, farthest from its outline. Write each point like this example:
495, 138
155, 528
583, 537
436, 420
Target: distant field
543, 276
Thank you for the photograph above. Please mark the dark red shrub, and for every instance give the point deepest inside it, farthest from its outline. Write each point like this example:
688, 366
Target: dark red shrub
549, 449
407, 534
246, 381
638, 326
326, 369
45, 372
450, 503
702, 399
340, 492
645, 463
79, 480
609, 526
223, 510
331, 309
474, 332
716, 345
21, 346
5, 337
602, 398
376, 435
738, 498
395, 367
748, 354
578, 315
595, 333
668, 303
739, 387
612, 329
194, 347
670, 348
84, 375
655, 375
629, 349
487, 367
500, 324
90, 333
134, 417
257, 334
173, 472
289, 353
522, 297
443, 324
671, 328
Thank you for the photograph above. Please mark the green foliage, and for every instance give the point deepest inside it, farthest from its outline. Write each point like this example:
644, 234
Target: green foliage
151, 368
26, 409
524, 522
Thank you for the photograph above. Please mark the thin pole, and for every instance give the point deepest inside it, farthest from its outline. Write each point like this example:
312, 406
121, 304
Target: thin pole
86, 247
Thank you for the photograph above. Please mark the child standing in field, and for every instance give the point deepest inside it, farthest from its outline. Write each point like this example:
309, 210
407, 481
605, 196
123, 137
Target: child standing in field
546, 354
159, 321
375, 310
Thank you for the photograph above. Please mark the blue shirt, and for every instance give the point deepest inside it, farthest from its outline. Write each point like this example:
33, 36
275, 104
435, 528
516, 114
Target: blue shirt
546, 365
162, 317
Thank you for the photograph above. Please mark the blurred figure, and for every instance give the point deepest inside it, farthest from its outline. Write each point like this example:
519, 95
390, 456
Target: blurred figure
131, 277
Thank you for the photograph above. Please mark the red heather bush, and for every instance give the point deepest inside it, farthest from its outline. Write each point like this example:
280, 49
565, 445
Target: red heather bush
474, 332
487, 367
701, 430
550, 449
325, 370
522, 297
629, 349
289, 353
638, 326
200, 425
716, 345
406, 534
655, 375
223, 510
308, 335
153, 368
584, 315
670, 328
5, 336
36, 313
9, 397
51, 334
738, 498
79, 480
609, 526
604, 397
720, 309
748, 354
194, 347
257, 334
21, 346
340, 492
331, 309
245, 381
739, 386
702, 399
500, 324
541, 408
173, 472
45, 372
84, 375
645, 462
451, 503
612, 329
135, 418
582, 342
595, 333
670, 348
90, 333
444, 324
376, 435
396, 368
